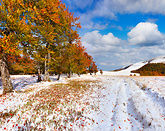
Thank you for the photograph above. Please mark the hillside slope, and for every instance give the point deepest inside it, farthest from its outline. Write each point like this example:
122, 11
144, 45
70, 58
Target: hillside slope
151, 69
136, 66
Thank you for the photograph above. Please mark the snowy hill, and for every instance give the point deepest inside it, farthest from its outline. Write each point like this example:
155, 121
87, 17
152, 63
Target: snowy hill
127, 71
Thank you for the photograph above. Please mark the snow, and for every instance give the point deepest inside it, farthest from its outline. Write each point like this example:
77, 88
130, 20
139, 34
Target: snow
127, 71
160, 59
112, 103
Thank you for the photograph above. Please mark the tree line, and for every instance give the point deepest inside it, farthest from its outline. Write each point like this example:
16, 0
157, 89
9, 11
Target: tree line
151, 69
42, 34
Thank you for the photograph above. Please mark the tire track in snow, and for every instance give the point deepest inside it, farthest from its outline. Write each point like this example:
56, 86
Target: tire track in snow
107, 103
158, 100
107, 99
125, 107
120, 118
146, 107
137, 120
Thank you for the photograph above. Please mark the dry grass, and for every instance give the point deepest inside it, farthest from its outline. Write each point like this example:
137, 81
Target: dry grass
46, 102
142, 86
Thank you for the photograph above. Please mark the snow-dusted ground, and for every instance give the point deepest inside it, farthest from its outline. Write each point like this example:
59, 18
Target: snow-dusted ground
126, 72
112, 103
126, 105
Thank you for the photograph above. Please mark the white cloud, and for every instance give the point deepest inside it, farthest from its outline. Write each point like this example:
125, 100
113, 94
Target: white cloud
87, 23
92, 38
81, 4
90, 9
145, 34
99, 26
92, 25
120, 58
109, 8
111, 52
131, 6
117, 27
152, 20
110, 39
101, 45
95, 38
104, 64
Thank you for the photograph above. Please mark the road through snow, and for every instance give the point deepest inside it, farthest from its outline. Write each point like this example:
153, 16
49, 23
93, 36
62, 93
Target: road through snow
127, 104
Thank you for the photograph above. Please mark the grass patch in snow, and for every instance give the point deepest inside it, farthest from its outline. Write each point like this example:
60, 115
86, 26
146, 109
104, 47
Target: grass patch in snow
142, 86
59, 107
28, 90
5, 115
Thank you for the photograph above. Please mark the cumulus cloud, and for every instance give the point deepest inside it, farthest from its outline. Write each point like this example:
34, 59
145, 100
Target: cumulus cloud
118, 59
97, 43
111, 52
145, 34
109, 8
104, 64
95, 38
131, 6
91, 9
92, 38
92, 25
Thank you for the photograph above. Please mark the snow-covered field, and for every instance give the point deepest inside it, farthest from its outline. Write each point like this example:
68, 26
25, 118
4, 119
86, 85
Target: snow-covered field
90, 103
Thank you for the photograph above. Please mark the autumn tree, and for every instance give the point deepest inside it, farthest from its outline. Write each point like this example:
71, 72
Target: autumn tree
62, 50
80, 61
94, 68
21, 64
44, 14
89, 63
39, 57
52, 20
58, 61
71, 35
46, 31
15, 34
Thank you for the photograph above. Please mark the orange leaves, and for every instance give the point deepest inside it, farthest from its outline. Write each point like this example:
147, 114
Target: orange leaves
21, 3
128, 119
9, 45
35, 24
43, 10
21, 64
14, 25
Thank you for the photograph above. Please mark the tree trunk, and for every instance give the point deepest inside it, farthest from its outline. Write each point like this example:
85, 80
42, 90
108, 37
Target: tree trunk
46, 76
70, 72
6, 80
39, 72
59, 76
78, 74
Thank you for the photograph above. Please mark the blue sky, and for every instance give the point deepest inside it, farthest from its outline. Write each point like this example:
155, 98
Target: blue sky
121, 32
